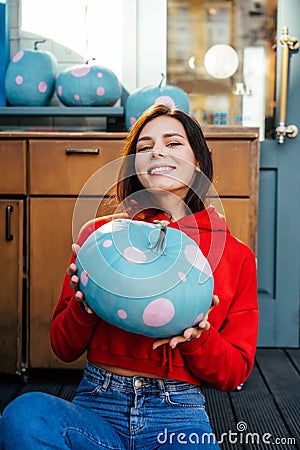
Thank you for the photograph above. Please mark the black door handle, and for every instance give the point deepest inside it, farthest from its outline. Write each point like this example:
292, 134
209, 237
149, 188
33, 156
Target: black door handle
8, 235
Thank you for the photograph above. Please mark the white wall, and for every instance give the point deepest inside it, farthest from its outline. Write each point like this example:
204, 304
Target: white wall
128, 36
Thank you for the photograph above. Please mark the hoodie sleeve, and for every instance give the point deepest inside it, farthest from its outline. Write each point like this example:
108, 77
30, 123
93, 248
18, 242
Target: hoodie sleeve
223, 356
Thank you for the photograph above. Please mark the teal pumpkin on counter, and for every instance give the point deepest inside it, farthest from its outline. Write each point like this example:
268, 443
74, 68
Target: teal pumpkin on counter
145, 278
88, 85
142, 98
30, 78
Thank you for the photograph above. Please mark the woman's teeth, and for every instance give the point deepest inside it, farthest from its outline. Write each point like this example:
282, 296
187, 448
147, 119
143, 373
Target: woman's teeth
163, 169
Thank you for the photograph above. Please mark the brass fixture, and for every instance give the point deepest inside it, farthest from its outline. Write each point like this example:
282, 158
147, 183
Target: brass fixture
287, 44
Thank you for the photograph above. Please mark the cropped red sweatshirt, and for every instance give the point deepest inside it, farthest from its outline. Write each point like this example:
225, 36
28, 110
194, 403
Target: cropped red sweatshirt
223, 356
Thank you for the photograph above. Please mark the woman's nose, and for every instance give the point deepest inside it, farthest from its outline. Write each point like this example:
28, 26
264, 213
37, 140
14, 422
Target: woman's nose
158, 151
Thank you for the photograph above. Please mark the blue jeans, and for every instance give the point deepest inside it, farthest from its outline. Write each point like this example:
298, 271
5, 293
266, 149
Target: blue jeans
110, 412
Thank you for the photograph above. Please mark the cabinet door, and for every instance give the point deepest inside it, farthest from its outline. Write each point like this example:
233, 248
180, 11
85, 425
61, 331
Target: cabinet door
11, 285
50, 251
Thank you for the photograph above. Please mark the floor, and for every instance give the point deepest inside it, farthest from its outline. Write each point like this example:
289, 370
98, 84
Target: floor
264, 414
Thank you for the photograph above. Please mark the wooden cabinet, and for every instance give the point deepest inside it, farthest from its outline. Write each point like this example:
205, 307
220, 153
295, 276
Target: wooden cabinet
12, 280
50, 232
13, 167
13, 277
58, 182
236, 172
60, 169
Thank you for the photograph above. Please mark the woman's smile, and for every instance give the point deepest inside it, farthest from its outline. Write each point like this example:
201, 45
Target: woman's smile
161, 169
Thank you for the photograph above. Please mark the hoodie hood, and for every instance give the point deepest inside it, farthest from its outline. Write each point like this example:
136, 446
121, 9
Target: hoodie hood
207, 220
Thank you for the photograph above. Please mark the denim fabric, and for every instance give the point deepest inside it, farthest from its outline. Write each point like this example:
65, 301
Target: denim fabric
110, 412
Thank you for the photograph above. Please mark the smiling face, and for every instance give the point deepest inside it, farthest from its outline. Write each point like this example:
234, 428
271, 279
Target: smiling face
164, 158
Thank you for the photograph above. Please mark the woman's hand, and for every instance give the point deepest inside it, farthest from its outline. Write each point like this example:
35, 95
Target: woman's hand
74, 283
189, 333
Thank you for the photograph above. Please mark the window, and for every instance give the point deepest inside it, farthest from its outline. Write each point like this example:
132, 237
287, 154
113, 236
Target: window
245, 28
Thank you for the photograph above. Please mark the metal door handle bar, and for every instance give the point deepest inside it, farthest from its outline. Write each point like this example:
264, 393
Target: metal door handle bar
287, 44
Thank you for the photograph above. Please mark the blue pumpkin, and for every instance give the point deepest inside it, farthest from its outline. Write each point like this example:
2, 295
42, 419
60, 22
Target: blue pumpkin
142, 98
88, 85
30, 78
145, 278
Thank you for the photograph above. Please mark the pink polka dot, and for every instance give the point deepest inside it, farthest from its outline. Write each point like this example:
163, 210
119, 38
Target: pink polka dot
99, 74
134, 255
165, 100
196, 258
198, 319
107, 243
108, 227
18, 56
182, 276
122, 314
84, 277
19, 79
81, 71
76, 97
43, 85
100, 91
132, 120
59, 90
158, 312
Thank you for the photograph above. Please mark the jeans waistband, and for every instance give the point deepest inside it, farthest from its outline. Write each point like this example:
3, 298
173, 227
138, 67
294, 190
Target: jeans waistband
106, 378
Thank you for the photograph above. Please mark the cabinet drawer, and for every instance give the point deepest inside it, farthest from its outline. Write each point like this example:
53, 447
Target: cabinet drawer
232, 167
63, 167
13, 167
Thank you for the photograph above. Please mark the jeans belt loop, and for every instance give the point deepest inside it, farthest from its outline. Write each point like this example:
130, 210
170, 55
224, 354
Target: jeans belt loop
106, 382
162, 386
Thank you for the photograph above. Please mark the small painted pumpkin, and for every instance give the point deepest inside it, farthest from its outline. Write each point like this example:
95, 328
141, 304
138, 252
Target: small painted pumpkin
88, 85
145, 278
142, 98
30, 78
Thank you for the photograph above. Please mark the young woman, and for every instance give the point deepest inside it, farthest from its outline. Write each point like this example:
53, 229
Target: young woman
138, 392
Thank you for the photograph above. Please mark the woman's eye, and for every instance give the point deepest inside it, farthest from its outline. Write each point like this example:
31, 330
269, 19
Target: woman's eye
145, 148
173, 144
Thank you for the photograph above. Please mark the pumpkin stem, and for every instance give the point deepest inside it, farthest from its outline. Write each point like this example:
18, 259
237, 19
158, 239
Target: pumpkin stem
35, 45
159, 246
162, 79
91, 59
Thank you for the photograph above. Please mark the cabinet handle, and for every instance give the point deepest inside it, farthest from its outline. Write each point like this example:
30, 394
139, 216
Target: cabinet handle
8, 235
82, 151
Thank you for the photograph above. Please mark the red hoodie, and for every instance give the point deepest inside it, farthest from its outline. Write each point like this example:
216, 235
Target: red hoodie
223, 356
